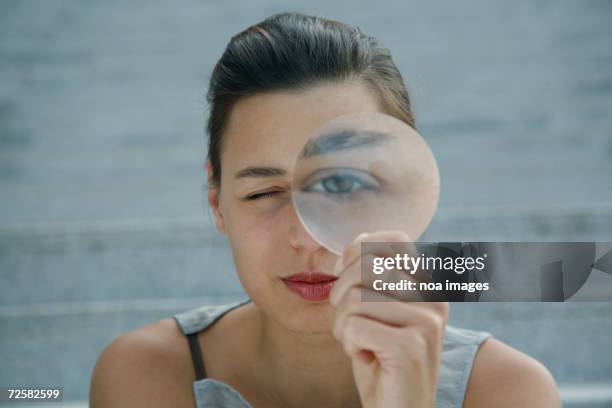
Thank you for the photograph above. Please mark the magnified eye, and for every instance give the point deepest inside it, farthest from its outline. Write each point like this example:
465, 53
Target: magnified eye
341, 181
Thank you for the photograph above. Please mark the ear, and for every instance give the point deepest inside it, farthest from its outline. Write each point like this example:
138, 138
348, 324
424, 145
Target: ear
213, 198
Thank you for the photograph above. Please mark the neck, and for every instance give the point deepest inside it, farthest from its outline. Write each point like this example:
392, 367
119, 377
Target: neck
303, 368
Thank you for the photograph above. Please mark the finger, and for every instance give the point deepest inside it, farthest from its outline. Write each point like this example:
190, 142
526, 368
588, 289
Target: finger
351, 276
389, 244
383, 244
359, 333
401, 242
388, 309
431, 316
410, 345
360, 273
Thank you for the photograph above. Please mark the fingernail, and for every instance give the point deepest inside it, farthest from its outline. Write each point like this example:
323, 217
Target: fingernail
338, 268
361, 236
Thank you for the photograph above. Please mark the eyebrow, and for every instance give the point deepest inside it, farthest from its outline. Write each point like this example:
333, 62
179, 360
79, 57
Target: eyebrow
257, 171
343, 140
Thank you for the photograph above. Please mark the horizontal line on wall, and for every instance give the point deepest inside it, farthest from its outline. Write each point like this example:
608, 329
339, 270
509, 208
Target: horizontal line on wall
52, 309
200, 222
586, 393
497, 310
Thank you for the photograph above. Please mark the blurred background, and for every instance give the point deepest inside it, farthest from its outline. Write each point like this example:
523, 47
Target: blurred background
102, 223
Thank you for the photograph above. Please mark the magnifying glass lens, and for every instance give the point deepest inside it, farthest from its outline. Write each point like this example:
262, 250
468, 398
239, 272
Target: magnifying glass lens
363, 173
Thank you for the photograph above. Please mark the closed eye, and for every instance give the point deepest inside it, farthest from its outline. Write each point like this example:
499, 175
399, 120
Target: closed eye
265, 194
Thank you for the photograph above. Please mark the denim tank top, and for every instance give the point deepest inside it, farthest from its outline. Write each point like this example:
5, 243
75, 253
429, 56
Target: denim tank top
458, 352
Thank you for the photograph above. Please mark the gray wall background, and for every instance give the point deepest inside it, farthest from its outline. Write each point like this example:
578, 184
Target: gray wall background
102, 222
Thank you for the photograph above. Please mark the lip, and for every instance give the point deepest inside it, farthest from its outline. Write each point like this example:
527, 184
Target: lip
313, 286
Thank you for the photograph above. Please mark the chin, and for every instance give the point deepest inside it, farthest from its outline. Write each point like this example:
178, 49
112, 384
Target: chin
308, 317
299, 315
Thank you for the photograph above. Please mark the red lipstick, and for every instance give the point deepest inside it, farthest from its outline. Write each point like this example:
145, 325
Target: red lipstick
310, 285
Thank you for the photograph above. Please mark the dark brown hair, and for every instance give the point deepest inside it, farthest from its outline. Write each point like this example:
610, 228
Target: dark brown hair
291, 52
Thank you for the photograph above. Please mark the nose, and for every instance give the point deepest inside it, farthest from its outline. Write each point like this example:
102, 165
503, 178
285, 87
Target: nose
299, 238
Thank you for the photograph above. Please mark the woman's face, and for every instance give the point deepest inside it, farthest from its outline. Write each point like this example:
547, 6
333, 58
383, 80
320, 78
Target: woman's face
253, 206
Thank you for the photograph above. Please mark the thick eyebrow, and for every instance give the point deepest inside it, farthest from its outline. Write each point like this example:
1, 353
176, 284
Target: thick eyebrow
256, 171
343, 140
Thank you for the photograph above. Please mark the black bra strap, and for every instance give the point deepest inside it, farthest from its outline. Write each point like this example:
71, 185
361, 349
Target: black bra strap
196, 356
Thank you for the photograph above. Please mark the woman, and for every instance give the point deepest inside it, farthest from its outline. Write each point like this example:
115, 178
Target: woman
304, 339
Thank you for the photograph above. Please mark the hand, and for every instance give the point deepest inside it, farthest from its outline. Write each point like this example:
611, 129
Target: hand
394, 345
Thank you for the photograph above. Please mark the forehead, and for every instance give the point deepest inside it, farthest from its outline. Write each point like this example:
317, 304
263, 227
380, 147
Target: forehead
271, 128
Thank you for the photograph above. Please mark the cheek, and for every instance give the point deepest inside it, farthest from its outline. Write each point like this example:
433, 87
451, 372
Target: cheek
261, 224
259, 240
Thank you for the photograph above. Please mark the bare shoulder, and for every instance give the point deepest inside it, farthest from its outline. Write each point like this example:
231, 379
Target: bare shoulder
149, 366
505, 377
